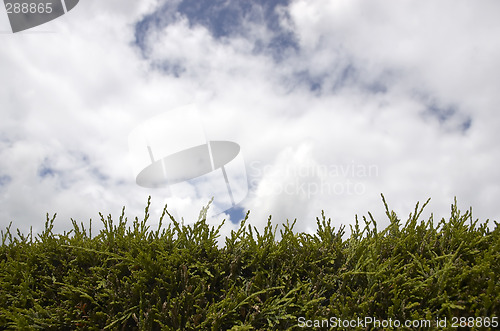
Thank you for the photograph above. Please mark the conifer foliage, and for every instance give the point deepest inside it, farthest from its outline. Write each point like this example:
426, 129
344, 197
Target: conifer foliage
179, 278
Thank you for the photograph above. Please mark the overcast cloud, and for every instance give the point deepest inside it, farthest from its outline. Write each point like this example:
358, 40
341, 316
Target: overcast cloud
332, 103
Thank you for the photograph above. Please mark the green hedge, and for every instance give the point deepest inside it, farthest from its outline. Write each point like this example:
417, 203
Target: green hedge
179, 278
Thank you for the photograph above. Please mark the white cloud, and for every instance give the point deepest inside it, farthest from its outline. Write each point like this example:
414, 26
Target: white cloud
72, 97
445, 50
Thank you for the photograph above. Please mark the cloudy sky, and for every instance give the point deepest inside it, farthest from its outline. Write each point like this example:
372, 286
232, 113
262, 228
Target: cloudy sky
332, 103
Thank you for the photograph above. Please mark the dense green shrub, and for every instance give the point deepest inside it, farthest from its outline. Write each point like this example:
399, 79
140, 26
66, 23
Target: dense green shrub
177, 277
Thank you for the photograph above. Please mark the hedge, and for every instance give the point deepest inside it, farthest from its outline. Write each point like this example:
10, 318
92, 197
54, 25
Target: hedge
178, 277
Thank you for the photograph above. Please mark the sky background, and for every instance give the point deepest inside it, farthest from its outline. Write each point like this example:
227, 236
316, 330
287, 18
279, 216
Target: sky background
331, 102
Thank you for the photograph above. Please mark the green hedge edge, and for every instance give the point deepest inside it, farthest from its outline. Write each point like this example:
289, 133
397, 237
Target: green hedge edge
179, 278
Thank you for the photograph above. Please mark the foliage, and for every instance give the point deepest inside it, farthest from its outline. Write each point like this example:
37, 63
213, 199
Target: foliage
177, 277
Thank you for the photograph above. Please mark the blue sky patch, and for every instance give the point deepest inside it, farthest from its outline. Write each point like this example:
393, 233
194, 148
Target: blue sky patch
236, 214
442, 114
169, 67
224, 19
5, 180
99, 175
46, 170
466, 124
301, 78
448, 116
